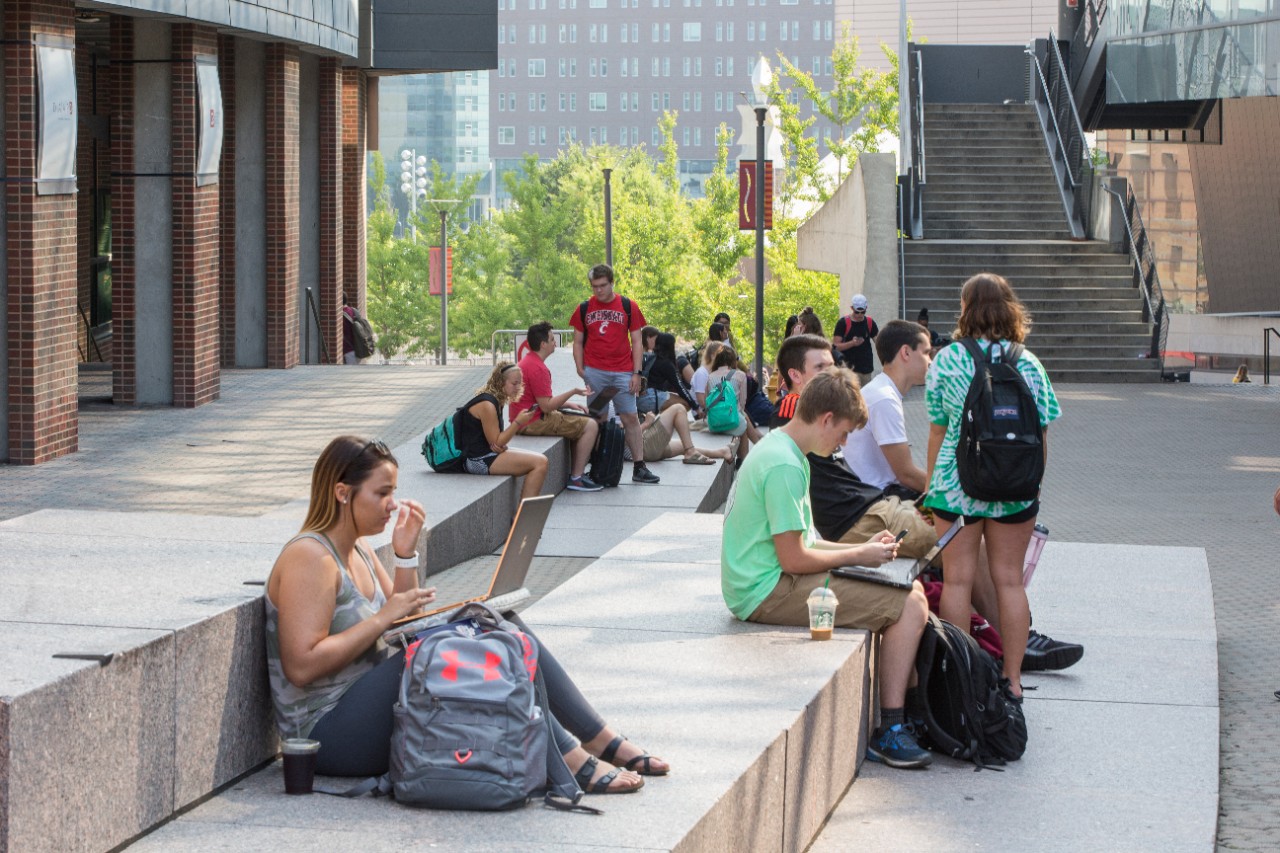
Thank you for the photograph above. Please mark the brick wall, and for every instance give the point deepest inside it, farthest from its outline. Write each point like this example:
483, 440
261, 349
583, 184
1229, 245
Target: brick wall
354, 107
282, 170
124, 337
196, 246
227, 208
41, 261
331, 207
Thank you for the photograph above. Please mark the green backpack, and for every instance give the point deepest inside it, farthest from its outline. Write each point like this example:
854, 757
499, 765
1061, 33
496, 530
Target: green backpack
722, 406
440, 447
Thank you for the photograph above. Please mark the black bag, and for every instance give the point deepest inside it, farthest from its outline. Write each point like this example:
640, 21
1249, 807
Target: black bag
362, 339
1000, 456
969, 712
606, 459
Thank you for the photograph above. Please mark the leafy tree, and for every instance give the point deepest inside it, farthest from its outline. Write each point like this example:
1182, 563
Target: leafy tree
715, 217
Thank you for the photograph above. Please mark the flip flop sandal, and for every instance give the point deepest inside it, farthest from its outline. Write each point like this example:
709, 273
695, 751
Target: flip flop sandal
601, 785
697, 458
610, 752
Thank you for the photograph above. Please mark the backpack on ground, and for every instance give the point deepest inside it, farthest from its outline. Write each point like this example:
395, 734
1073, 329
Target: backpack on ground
362, 339
1000, 455
968, 710
440, 447
470, 728
606, 458
722, 406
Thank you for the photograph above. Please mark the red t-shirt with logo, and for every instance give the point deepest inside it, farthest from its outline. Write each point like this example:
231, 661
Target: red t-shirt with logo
607, 338
537, 383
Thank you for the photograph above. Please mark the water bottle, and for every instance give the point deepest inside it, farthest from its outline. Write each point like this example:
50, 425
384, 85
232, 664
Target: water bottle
1039, 535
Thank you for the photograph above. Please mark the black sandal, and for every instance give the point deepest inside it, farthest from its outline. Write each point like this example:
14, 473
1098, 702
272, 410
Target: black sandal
601, 785
610, 752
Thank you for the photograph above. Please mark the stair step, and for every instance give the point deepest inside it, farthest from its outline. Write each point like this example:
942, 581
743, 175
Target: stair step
998, 247
941, 233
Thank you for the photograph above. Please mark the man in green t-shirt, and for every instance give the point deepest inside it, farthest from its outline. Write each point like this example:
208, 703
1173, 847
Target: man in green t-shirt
770, 559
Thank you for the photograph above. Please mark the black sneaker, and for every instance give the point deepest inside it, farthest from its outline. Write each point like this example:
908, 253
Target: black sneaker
642, 474
1045, 653
896, 747
583, 484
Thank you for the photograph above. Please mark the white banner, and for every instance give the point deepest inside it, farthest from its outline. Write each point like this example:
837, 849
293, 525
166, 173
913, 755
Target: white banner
56, 138
209, 119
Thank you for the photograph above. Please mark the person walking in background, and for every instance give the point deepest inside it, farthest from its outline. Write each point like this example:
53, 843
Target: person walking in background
547, 419
992, 315
608, 353
852, 339
936, 341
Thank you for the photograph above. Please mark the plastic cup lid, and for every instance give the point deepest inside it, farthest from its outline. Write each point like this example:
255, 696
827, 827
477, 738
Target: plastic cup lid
299, 745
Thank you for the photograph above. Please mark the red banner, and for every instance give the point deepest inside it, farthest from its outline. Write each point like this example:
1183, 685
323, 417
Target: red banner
747, 195
435, 270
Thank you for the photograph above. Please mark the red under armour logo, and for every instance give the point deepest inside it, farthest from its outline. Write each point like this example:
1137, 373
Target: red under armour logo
490, 666
462, 757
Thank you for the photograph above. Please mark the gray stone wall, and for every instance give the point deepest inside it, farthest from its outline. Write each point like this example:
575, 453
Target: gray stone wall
251, 206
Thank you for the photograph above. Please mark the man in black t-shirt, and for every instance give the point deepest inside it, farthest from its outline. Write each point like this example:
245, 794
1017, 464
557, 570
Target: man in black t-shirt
852, 339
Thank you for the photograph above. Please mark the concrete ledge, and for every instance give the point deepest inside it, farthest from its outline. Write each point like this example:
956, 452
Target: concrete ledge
764, 728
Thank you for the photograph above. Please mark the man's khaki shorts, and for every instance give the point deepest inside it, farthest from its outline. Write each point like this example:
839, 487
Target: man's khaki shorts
558, 424
895, 516
871, 606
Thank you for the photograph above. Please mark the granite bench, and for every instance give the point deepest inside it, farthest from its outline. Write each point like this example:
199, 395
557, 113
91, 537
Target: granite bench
764, 728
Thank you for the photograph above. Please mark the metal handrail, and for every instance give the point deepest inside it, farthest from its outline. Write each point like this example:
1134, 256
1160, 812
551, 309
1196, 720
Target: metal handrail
1053, 115
1062, 70
306, 339
1266, 352
1152, 293
493, 339
1086, 34
902, 255
917, 137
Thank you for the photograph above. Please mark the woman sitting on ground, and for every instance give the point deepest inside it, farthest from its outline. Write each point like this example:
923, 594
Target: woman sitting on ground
699, 384
664, 376
485, 441
657, 431
724, 368
329, 601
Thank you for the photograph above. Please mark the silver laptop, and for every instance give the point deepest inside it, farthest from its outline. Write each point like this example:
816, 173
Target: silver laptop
903, 571
506, 584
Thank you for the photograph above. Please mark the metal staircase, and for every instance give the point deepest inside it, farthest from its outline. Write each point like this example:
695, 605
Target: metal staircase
992, 203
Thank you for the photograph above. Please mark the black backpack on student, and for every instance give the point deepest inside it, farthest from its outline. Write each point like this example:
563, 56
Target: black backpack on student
1000, 456
362, 339
969, 712
606, 458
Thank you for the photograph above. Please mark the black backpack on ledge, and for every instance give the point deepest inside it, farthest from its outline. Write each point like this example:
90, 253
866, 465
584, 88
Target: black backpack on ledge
969, 712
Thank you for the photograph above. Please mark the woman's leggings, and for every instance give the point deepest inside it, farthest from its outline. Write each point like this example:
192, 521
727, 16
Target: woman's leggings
355, 736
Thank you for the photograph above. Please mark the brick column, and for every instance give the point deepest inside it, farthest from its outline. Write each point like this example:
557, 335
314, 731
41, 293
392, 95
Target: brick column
196, 376
354, 106
282, 170
124, 337
41, 258
227, 204
332, 227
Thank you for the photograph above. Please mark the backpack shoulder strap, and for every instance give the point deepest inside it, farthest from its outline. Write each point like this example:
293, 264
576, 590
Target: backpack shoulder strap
582, 315
979, 357
626, 306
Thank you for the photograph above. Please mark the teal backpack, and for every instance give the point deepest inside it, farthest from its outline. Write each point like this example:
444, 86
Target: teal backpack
722, 406
440, 447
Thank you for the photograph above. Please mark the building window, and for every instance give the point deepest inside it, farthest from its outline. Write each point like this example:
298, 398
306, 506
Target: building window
533, 34
604, 67
502, 102
511, 68
719, 30
693, 31
564, 33
563, 65
604, 136
826, 30
764, 29
656, 35
666, 32
728, 30
595, 136
573, 34
719, 66
666, 66
666, 100
623, 69
533, 102
697, 102
533, 135
795, 30
592, 37
719, 101
635, 135
655, 136
564, 102
656, 104
624, 102
751, 30
635, 102
656, 67
604, 33
537, 68
686, 101
635, 67
623, 36
817, 30
782, 34
728, 66
502, 35
542, 102
598, 4
697, 136
688, 66
697, 66
597, 102
506, 136
686, 136
817, 65
635, 33
542, 134
593, 67
573, 68
560, 137
573, 102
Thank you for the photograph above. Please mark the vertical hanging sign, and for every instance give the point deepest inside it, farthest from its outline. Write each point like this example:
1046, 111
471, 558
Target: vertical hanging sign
56, 137
433, 282
747, 195
208, 120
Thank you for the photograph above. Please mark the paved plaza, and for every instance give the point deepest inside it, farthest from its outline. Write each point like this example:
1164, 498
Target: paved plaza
1182, 465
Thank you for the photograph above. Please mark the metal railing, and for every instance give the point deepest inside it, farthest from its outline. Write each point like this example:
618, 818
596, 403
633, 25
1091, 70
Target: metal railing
565, 335
1146, 278
1266, 352
1073, 148
1095, 12
306, 330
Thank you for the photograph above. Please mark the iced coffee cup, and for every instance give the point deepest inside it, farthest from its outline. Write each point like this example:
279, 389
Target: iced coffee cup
299, 764
822, 613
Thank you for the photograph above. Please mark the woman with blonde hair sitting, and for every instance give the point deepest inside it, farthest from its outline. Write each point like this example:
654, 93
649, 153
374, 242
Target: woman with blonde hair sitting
485, 440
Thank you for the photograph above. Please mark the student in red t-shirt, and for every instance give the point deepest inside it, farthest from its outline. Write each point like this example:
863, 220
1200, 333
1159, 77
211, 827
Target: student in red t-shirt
549, 420
608, 353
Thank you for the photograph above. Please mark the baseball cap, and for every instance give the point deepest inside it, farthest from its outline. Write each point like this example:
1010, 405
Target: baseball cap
859, 301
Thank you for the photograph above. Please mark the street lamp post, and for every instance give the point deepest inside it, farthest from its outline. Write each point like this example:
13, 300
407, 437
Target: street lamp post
444, 269
761, 111
413, 183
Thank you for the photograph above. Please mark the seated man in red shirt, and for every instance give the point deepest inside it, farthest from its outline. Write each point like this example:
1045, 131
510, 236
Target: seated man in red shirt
580, 429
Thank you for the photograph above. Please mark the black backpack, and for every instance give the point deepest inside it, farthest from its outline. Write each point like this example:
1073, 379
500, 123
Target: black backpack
362, 339
969, 712
1000, 456
606, 459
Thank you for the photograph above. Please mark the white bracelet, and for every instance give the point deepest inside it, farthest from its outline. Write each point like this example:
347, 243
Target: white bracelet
410, 562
